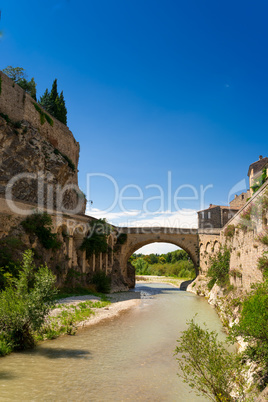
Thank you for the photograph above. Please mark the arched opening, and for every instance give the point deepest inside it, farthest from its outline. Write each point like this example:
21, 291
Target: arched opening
162, 259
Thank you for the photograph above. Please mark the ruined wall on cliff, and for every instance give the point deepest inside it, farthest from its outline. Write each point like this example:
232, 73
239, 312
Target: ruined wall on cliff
19, 105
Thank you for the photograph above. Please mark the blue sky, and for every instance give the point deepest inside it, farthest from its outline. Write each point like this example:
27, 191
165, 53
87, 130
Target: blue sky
154, 89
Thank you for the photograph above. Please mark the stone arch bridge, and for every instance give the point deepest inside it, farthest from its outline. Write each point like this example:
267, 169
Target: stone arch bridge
72, 229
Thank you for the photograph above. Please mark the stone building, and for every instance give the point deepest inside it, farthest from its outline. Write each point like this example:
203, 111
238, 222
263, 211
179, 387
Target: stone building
240, 200
255, 173
216, 216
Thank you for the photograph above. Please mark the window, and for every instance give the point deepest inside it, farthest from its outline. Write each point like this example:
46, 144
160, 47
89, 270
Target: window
209, 215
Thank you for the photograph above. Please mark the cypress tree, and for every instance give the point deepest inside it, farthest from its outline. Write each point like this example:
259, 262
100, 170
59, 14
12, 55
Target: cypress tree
45, 100
62, 111
53, 99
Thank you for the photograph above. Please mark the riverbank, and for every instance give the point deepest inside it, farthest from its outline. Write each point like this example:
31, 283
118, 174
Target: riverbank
75, 312
66, 317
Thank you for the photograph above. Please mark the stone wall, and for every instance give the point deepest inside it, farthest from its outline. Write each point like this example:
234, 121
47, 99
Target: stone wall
244, 243
18, 105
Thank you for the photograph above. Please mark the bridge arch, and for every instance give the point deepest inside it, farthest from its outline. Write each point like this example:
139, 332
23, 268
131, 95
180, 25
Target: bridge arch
186, 239
138, 245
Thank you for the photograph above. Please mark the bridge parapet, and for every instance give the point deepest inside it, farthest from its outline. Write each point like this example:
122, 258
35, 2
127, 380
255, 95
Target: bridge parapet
156, 230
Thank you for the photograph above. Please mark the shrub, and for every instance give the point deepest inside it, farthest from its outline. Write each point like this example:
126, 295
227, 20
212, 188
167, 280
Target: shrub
219, 268
122, 238
102, 282
96, 242
207, 366
229, 231
40, 225
24, 305
9, 266
253, 327
263, 264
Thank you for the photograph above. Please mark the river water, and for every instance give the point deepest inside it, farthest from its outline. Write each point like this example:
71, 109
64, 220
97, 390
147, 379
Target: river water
128, 358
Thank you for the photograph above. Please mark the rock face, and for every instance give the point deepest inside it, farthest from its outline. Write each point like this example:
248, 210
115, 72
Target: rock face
33, 170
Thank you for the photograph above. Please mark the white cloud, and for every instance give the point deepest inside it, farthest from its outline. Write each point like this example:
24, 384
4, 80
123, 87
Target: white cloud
178, 219
183, 219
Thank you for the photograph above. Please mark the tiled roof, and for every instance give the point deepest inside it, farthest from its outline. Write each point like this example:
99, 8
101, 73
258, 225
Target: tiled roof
221, 207
258, 165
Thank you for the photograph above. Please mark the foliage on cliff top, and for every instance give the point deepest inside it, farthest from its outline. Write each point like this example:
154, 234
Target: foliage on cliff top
54, 103
40, 224
24, 305
18, 75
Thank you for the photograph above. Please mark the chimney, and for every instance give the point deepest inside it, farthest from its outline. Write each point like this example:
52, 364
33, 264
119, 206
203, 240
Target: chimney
210, 205
260, 157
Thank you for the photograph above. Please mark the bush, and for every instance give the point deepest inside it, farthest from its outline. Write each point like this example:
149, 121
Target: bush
229, 231
253, 327
96, 242
263, 264
40, 225
219, 268
24, 305
207, 366
9, 266
102, 282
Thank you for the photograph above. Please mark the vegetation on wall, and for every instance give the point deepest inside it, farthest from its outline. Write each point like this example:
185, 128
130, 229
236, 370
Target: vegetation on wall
219, 268
24, 305
176, 263
0, 84
259, 181
18, 75
54, 103
229, 231
43, 116
40, 225
96, 241
68, 160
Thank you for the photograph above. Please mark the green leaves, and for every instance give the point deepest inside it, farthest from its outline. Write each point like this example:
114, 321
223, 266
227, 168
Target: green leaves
219, 268
40, 225
18, 75
24, 305
54, 103
206, 365
253, 327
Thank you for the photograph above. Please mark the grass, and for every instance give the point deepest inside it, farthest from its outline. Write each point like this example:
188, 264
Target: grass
65, 322
78, 291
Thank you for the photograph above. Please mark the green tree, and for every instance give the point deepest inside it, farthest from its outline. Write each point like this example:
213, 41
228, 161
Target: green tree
54, 103
28, 86
206, 365
44, 100
24, 305
219, 268
15, 73
18, 75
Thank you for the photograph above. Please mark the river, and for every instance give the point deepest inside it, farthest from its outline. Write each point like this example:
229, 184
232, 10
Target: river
128, 358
